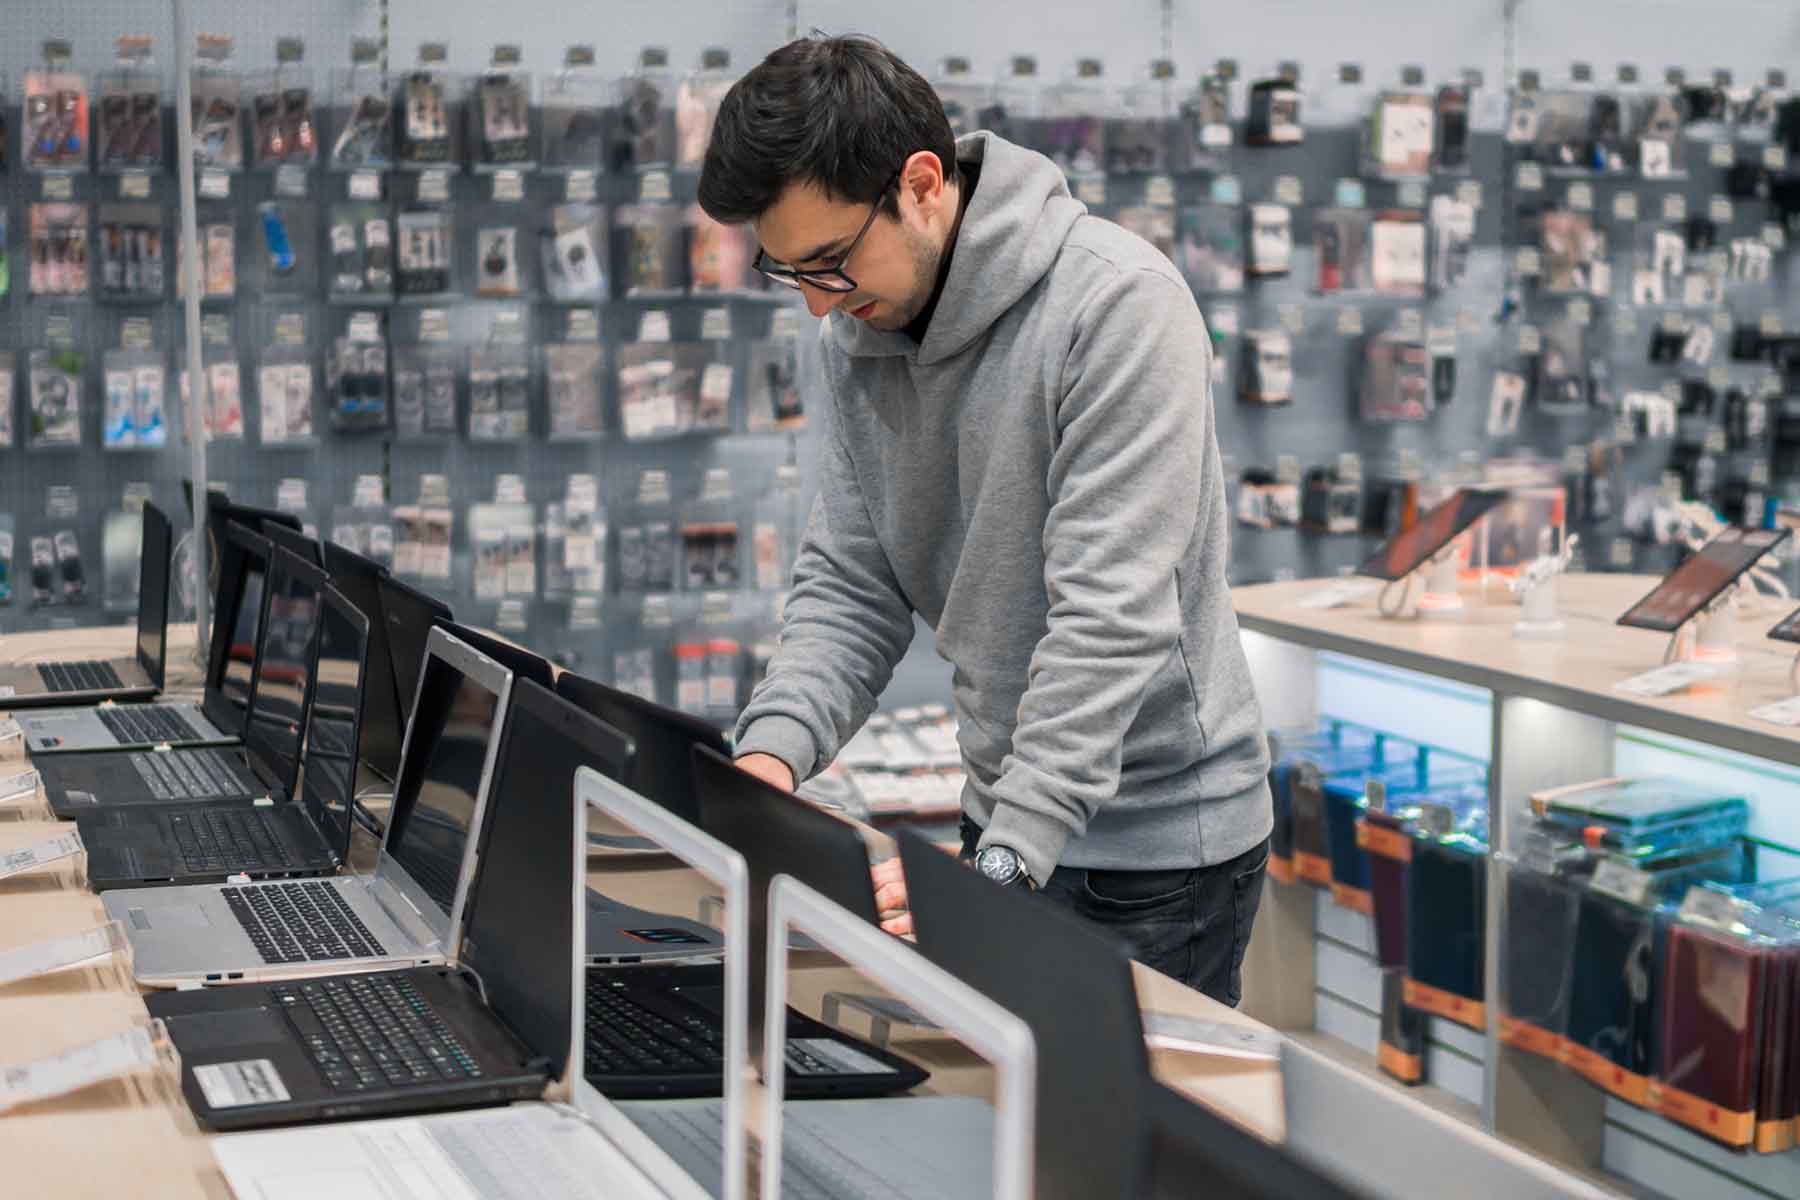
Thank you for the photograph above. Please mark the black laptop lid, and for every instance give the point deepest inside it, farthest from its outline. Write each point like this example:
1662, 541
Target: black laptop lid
281, 682
520, 661
293, 541
340, 667
407, 615
359, 579
440, 779
663, 767
237, 627
1187, 1143
153, 595
1071, 985
519, 925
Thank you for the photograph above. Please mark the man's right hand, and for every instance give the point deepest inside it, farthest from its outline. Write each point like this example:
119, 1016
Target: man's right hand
769, 769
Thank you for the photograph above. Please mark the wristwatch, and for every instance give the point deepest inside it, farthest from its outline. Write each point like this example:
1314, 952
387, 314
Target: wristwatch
1003, 865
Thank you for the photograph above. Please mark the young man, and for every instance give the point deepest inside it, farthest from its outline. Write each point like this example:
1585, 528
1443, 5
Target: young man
1019, 446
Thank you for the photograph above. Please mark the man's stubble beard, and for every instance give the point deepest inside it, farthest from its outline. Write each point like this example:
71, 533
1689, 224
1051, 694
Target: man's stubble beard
925, 259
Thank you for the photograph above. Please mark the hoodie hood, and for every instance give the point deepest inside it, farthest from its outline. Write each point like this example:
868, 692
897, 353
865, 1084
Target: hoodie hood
1011, 234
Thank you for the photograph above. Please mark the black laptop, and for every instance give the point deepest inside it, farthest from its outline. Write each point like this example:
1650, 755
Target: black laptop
488, 1028
221, 512
663, 768
182, 844
658, 1030
85, 784
90, 681
218, 720
384, 718
294, 541
408, 615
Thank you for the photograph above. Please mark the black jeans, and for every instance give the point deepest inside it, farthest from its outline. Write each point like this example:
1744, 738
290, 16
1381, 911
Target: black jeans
1193, 925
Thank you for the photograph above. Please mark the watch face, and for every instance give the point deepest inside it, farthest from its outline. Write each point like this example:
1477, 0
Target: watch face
998, 864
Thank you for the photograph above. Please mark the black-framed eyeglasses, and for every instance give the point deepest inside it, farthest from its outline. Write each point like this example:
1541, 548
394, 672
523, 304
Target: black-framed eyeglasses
826, 279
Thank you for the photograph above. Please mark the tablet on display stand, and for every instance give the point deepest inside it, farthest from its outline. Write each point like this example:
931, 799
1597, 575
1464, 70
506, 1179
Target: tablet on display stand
1699, 593
1429, 543
1789, 631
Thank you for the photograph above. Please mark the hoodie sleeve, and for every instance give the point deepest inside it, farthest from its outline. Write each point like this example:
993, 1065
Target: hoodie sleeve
1133, 438
844, 627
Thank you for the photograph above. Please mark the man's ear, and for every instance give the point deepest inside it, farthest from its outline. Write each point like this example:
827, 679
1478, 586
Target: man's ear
923, 179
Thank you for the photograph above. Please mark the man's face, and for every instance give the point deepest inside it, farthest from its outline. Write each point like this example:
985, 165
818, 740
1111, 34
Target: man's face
895, 263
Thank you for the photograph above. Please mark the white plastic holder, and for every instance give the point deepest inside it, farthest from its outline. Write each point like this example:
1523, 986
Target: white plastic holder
1540, 619
1442, 598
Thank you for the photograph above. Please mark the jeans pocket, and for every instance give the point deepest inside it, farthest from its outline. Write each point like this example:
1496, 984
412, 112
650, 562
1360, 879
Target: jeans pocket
1246, 898
1135, 892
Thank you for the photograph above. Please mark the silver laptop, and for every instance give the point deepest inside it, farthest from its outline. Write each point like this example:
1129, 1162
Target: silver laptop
836, 1149
1383, 1142
407, 913
576, 1146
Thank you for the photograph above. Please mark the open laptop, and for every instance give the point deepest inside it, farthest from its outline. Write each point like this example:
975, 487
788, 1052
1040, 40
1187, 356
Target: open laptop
404, 914
576, 1149
663, 767
78, 785
835, 1148
90, 681
179, 844
218, 720
409, 615
342, 1047
384, 715
547, 740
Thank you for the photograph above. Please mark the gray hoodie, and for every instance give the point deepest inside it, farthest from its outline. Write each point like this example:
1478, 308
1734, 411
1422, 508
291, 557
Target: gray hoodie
1040, 480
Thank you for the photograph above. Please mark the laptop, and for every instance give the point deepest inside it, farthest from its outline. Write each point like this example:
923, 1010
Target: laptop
488, 1026
90, 681
1385, 1143
515, 658
663, 768
309, 834
295, 542
574, 1148
384, 715
830, 1148
403, 914
79, 785
547, 740
1187, 1141
408, 616
219, 718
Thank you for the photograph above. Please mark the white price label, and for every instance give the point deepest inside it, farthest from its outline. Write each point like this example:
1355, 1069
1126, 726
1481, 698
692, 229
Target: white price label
10, 730
1349, 321
509, 489
134, 187
653, 187
1159, 190
579, 187
1531, 341
1581, 197
59, 954
1674, 207
122, 1054
584, 325
1625, 206
59, 187
290, 181
509, 185
1719, 209
434, 186
236, 1084
214, 185
1288, 190
1091, 190
1775, 158
1338, 594
1410, 195
1719, 154
1292, 319
17, 862
19, 785
1782, 712
1528, 261
1530, 177
364, 185
1664, 681
1580, 312
1616, 877
1469, 192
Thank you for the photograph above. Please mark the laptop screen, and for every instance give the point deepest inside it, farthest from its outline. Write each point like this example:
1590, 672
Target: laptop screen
408, 615
515, 658
237, 624
329, 778
153, 594
663, 768
359, 579
279, 684
306, 549
433, 810
519, 918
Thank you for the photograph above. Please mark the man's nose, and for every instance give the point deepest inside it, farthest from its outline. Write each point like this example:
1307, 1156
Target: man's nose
818, 300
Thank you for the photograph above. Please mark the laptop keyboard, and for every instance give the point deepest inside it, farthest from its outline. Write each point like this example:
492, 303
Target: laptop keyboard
811, 1167
234, 840
371, 1031
88, 675
626, 1038
504, 1157
147, 724
194, 775
300, 922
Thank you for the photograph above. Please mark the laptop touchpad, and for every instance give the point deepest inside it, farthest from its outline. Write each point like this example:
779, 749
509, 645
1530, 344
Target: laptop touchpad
240, 1027
171, 917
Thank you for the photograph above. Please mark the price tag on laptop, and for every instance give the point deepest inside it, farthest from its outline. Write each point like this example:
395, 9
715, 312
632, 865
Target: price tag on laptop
1190, 1035
122, 1054
12, 738
17, 862
60, 954
1782, 712
18, 785
1665, 680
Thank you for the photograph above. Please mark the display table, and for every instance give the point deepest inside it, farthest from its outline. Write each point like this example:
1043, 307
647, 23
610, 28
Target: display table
1544, 713
105, 1142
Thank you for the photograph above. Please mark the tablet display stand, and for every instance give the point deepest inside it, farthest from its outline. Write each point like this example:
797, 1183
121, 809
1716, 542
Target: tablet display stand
1537, 589
1709, 636
1440, 597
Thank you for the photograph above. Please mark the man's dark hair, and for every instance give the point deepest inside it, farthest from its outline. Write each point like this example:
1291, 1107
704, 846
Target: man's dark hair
841, 112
